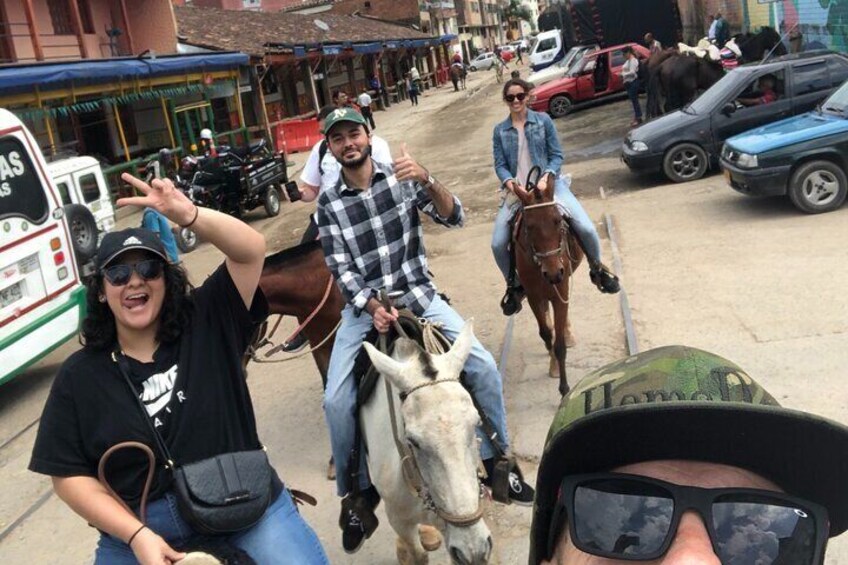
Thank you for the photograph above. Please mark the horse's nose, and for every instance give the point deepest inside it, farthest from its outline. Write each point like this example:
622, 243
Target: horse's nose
458, 556
556, 278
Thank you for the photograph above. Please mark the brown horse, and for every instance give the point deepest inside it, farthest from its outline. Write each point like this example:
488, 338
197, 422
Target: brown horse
295, 281
458, 75
546, 256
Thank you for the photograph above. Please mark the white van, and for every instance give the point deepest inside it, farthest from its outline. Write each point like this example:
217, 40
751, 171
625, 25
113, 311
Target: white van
547, 49
42, 299
80, 181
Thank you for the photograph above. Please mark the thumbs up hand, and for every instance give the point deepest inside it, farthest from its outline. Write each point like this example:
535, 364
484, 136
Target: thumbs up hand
406, 168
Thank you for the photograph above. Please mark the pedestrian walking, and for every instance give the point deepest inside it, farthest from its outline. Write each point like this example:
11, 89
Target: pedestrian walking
365, 102
162, 365
653, 45
411, 89
630, 77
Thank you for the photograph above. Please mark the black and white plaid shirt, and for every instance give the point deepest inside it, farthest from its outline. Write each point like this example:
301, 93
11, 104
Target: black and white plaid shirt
373, 240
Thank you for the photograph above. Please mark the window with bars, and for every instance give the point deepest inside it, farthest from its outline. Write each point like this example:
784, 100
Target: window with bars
61, 17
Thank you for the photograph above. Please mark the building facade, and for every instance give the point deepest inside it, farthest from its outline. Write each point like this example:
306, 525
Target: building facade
481, 25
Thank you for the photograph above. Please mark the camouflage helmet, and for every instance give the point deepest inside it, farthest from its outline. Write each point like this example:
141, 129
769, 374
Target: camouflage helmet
678, 402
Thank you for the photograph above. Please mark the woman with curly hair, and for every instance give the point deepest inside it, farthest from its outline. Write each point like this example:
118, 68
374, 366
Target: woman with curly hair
180, 350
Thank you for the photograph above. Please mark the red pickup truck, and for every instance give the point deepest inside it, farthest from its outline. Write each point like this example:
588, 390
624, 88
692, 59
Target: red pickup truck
596, 75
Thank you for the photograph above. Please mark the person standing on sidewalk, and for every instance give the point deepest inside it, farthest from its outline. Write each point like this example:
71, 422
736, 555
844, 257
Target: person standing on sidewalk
411, 89
365, 102
630, 77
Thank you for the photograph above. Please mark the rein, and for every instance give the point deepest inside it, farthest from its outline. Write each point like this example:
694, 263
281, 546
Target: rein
435, 343
267, 340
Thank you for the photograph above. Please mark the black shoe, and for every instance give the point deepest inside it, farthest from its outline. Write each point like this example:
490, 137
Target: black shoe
511, 302
357, 519
519, 492
296, 344
602, 278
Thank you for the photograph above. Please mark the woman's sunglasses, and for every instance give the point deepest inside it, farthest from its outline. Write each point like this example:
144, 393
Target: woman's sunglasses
119, 275
513, 97
635, 518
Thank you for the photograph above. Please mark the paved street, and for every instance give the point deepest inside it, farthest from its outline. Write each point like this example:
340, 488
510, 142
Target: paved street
752, 280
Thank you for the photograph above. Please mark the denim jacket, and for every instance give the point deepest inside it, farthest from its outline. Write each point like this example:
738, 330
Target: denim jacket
545, 150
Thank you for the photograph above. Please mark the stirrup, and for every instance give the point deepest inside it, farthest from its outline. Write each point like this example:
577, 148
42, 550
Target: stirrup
604, 279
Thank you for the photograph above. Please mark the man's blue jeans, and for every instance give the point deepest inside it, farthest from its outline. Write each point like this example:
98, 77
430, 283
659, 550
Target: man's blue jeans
578, 219
340, 395
282, 536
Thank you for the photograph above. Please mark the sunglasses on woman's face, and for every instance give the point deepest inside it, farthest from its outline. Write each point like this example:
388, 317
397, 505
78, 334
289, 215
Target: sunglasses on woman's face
513, 97
634, 518
119, 275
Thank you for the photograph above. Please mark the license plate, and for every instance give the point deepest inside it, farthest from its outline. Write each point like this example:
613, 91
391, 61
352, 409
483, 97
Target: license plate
727, 175
11, 294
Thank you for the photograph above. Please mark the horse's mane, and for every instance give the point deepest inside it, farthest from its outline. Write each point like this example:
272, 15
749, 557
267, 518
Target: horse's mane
291, 254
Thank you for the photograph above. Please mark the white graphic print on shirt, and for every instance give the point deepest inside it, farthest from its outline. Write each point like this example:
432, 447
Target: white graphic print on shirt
158, 392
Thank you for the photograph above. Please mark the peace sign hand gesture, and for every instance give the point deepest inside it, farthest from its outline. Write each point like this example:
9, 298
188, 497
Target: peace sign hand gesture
163, 196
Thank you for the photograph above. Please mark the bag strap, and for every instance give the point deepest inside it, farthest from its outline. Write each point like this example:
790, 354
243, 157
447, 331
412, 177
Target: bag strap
123, 366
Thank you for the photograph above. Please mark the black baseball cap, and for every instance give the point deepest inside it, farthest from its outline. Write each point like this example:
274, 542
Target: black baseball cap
117, 242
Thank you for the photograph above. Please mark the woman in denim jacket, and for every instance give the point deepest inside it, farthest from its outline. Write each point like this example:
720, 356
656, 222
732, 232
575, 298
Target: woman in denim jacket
524, 140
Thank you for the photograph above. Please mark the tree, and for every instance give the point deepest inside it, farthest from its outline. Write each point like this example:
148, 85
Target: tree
516, 11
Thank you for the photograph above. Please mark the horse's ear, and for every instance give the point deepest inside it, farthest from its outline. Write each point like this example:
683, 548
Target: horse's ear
390, 368
461, 349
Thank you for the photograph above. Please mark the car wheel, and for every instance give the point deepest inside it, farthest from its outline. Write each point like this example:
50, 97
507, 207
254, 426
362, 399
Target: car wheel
83, 230
272, 201
685, 162
818, 186
472, 68
560, 106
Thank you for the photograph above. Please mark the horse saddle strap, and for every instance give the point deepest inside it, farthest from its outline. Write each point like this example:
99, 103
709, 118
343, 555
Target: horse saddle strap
504, 465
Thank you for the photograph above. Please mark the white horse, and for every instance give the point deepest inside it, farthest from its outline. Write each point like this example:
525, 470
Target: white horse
436, 419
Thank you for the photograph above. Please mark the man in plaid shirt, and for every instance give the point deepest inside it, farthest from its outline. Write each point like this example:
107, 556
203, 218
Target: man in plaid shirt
370, 230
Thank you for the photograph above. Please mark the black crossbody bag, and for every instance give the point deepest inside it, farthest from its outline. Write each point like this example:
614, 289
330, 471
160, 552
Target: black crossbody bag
223, 494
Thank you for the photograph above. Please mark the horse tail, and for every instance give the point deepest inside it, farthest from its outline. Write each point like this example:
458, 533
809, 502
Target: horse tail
652, 88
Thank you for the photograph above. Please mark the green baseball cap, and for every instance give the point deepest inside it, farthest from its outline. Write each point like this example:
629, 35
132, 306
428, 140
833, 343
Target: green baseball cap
678, 402
343, 115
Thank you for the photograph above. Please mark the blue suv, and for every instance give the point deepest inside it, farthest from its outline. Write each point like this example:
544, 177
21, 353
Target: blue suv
805, 157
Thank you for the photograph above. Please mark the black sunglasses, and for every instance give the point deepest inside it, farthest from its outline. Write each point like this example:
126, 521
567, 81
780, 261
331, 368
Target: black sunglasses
119, 275
513, 97
635, 518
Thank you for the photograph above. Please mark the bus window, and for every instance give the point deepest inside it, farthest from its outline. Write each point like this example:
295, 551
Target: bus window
17, 179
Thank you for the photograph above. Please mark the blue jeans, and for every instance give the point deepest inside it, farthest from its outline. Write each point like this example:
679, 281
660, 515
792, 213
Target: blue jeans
281, 536
633, 93
340, 395
579, 221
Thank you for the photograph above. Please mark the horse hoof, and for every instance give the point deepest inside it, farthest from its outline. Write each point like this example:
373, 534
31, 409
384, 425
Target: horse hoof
431, 538
331, 470
570, 340
563, 390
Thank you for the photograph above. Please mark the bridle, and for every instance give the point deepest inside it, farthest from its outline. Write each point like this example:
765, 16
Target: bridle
563, 239
435, 343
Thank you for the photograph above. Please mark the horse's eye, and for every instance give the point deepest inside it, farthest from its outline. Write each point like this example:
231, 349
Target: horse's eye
413, 443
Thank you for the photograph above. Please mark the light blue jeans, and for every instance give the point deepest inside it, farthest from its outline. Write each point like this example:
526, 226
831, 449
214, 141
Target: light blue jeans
579, 221
340, 395
282, 536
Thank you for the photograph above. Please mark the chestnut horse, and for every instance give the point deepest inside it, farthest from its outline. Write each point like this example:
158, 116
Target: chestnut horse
546, 255
295, 282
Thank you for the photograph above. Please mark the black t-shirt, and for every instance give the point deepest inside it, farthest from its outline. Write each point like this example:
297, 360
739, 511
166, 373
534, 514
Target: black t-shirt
194, 391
